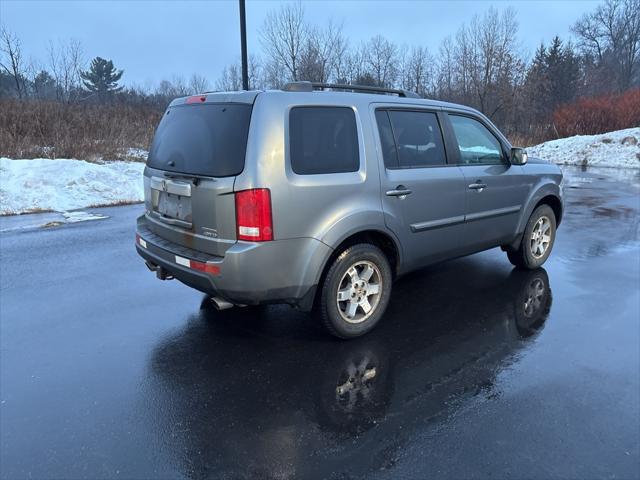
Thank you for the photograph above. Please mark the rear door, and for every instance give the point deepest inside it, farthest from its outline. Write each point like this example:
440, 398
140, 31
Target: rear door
423, 194
495, 190
198, 150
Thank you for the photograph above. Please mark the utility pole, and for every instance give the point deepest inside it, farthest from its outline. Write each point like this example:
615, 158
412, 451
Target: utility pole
243, 46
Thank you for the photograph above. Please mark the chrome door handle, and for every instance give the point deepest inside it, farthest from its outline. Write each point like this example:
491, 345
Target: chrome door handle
478, 186
400, 191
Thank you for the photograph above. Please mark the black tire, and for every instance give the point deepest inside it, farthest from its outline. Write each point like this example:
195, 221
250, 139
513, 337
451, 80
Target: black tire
524, 256
364, 368
333, 312
532, 301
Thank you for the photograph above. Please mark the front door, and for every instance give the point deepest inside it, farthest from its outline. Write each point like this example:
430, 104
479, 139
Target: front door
495, 190
423, 196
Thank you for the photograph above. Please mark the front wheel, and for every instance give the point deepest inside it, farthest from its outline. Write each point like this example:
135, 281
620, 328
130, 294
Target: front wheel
356, 291
537, 240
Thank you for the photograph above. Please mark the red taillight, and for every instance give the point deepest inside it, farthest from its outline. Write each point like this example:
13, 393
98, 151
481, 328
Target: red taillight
196, 99
205, 267
253, 215
140, 241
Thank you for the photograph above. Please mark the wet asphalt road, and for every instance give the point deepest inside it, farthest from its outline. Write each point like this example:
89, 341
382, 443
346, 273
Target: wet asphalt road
477, 371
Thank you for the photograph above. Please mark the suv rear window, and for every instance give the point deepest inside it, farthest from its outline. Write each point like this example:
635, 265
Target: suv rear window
323, 140
208, 139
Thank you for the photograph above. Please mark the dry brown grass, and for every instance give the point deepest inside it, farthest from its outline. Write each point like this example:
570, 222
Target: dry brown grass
118, 203
534, 136
35, 129
27, 212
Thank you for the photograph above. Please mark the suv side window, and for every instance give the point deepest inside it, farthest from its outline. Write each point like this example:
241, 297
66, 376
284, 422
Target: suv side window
323, 140
476, 143
410, 139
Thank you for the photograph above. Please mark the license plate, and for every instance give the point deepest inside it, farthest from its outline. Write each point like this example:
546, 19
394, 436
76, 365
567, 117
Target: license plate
174, 206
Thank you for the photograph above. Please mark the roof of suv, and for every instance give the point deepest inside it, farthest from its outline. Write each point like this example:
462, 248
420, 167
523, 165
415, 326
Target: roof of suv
380, 95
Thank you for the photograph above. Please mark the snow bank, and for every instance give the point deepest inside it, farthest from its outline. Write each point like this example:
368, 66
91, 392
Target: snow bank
64, 185
61, 185
614, 149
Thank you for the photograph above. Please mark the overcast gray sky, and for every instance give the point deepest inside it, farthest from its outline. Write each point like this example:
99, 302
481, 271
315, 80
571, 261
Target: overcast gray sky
152, 40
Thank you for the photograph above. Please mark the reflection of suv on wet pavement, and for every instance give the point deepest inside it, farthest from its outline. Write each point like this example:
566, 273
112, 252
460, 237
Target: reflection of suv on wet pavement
308, 408
319, 199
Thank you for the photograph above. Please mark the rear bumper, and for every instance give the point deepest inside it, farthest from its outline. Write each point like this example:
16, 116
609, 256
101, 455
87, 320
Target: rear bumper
280, 271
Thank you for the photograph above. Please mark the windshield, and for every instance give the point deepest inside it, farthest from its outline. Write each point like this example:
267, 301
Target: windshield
208, 139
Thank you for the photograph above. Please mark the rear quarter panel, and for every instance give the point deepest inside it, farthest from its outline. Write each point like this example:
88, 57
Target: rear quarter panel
327, 207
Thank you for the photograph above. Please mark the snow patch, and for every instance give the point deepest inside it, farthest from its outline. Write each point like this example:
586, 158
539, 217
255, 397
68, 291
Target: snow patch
13, 223
614, 149
75, 217
137, 154
61, 185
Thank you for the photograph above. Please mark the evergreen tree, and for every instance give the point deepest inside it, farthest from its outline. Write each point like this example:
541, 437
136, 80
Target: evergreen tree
552, 79
102, 77
44, 86
562, 72
536, 88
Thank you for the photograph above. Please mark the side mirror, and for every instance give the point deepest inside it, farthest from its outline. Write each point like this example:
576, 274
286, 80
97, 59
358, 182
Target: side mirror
518, 156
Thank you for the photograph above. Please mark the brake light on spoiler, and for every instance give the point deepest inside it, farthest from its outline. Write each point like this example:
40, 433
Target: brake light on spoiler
196, 99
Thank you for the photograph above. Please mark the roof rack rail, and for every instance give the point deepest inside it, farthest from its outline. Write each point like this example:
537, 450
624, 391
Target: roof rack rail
305, 86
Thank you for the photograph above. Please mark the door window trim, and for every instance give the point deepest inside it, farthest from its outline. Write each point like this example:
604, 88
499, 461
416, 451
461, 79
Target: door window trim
454, 139
439, 118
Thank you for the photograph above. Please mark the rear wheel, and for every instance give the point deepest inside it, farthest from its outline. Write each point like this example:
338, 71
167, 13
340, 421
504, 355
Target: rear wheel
537, 240
356, 291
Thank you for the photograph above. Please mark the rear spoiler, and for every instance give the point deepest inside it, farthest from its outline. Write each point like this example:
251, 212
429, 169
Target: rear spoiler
247, 97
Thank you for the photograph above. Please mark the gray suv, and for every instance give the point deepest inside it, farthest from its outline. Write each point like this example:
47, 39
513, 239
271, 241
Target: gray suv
320, 195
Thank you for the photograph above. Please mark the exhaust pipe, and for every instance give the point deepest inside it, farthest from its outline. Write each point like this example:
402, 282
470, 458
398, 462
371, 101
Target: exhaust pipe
221, 304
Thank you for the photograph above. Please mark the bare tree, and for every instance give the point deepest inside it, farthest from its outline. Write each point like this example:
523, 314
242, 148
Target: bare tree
403, 78
179, 86
11, 60
256, 73
381, 60
176, 87
283, 37
231, 79
463, 58
445, 81
487, 61
198, 84
66, 62
322, 52
614, 29
165, 89
420, 71
350, 66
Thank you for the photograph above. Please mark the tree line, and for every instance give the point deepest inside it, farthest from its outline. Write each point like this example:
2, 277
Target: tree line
480, 65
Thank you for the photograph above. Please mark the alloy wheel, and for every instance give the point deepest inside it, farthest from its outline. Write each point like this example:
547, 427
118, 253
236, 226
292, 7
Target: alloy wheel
540, 237
359, 292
